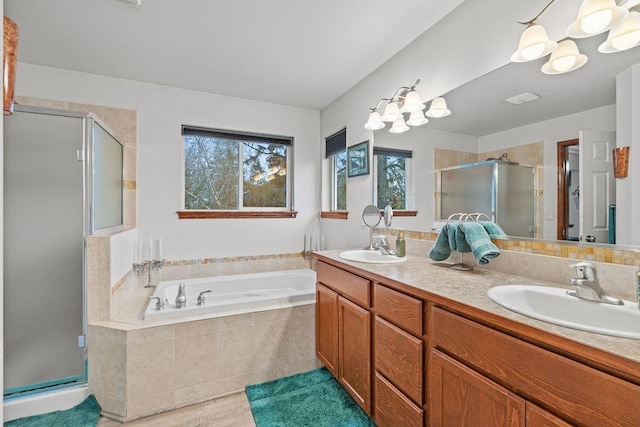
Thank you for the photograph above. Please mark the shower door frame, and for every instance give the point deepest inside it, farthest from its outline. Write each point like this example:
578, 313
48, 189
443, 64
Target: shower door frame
85, 156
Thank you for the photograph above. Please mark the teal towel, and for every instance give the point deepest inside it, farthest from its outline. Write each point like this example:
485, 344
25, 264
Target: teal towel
441, 250
481, 245
462, 245
492, 228
452, 232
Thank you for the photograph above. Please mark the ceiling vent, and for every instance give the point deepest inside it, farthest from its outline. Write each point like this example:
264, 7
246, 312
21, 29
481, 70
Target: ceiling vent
523, 98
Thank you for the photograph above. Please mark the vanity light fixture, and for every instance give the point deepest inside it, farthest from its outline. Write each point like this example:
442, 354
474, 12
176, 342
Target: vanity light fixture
564, 58
594, 17
623, 36
405, 100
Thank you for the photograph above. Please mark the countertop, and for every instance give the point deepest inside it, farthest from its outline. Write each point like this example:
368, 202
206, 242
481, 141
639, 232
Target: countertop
436, 280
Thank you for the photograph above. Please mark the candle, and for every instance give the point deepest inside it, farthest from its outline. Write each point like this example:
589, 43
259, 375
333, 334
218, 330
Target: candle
139, 252
310, 242
305, 242
160, 248
150, 248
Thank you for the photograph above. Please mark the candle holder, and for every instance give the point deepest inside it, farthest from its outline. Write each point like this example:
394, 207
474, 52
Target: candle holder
149, 266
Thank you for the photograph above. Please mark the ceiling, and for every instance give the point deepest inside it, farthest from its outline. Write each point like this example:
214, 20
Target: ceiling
291, 52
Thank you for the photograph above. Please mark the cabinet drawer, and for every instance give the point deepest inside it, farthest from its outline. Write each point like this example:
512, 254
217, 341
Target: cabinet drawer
398, 356
398, 308
578, 393
353, 287
393, 408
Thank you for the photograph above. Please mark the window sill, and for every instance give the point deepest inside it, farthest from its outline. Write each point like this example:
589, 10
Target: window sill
235, 214
405, 213
334, 214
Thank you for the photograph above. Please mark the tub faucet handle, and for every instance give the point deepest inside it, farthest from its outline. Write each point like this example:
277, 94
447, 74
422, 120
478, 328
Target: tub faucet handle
201, 297
159, 303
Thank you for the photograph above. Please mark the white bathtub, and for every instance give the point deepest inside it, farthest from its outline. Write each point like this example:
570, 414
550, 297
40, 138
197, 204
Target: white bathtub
235, 294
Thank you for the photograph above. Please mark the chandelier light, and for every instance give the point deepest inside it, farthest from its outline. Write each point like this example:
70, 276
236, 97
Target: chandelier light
623, 36
405, 100
594, 17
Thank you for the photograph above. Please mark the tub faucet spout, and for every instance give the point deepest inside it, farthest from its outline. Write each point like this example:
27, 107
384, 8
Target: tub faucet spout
181, 298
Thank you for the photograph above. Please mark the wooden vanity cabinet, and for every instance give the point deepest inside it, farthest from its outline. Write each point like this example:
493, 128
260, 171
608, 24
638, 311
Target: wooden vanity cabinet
398, 358
472, 365
343, 330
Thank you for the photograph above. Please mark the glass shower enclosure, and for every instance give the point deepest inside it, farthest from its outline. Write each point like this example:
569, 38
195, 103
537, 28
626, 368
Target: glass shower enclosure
62, 182
503, 191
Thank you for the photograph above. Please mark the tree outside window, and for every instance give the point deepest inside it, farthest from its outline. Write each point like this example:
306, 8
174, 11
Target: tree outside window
229, 172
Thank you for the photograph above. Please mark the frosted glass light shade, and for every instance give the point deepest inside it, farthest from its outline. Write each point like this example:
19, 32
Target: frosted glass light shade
623, 36
438, 108
564, 59
391, 112
417, 118
595, 17
375, 121
399, 126
534, 43
412, 102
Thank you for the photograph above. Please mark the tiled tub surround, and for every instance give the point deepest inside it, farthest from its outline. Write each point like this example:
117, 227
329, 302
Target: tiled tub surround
138, 368
136, 371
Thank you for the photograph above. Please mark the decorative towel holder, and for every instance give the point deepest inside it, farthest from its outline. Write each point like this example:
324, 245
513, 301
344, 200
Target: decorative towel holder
462, 217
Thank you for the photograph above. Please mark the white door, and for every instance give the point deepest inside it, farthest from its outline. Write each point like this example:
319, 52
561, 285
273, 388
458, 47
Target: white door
597, 184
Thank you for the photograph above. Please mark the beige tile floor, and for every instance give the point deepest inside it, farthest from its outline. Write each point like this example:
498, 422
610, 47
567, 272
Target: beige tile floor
229, 411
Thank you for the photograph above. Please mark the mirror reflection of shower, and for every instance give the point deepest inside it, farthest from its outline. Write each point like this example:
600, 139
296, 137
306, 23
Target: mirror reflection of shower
573, 189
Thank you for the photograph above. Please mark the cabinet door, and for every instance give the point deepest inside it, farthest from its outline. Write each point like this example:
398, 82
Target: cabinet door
355, 352
327, 328
460, 396
538, 417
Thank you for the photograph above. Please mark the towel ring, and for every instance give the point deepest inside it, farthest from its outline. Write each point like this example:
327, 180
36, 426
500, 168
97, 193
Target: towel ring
480, 214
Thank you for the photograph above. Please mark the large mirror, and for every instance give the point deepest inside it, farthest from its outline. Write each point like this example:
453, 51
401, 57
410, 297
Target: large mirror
569, 107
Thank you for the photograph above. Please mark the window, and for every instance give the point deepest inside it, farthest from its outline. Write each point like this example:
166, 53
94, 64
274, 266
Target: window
225, 170
336, 150
392, 172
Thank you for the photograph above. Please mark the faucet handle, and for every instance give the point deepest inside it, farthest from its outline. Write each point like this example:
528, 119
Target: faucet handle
201, 297
159, 303
585, 270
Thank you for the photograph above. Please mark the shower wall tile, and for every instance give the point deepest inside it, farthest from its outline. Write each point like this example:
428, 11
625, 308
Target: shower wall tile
196, 393
239, 343
272, 345
150, 369
106, 374
149, 405
145, 335
195, 359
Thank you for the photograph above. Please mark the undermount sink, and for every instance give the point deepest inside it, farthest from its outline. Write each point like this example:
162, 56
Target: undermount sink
553, 305
371, 257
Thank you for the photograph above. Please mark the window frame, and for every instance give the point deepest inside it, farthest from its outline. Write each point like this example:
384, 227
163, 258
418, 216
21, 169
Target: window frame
409, 196
287, 211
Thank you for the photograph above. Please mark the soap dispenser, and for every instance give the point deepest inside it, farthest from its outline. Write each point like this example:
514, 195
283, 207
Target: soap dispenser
400, 244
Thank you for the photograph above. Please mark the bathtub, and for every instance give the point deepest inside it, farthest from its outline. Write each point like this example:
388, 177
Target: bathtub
236, 294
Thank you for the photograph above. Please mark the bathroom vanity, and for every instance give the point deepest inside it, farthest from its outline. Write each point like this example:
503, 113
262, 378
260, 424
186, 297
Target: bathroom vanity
419, 344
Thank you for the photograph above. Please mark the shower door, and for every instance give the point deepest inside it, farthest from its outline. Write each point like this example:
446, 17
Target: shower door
44, 229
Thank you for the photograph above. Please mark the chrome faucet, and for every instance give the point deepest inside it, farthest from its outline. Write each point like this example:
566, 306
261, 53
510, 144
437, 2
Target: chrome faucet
383, 245
201, 299
586, 285
181, 298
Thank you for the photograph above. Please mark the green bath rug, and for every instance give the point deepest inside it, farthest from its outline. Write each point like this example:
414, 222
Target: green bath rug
309, 399
86, 414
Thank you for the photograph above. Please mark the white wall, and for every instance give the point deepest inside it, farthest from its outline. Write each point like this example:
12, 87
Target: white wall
551, 132
161, 112
1, 248
453, 52
628, 124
